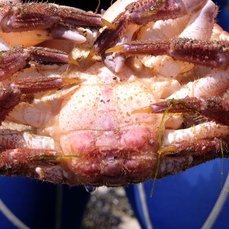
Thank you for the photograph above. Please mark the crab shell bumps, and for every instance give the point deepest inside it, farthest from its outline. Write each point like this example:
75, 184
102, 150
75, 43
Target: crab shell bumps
66, 119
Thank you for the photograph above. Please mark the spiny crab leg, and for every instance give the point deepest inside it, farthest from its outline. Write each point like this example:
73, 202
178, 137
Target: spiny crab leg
213, 54
17, 59
39, 84
186, 154
23, 163
28, 16
213, 108
48, 165
59, 21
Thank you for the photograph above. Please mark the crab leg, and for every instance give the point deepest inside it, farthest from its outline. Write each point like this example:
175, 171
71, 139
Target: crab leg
38, 84
17, 59
29, 16
186, 154
215, 108
213, 54
48, 165
45, 21
10, 95
28, 162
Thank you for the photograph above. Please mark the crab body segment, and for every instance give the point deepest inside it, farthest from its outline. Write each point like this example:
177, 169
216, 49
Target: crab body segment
164, 110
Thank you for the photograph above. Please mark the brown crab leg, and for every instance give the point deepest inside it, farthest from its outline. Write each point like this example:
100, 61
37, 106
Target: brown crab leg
214, 108
47, 165
186, 154
38, 84
213, 54
28, 161
29, 16
46, 55
17, 59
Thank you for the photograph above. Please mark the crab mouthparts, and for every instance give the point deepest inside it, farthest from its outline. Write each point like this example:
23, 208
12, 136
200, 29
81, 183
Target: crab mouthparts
113, 167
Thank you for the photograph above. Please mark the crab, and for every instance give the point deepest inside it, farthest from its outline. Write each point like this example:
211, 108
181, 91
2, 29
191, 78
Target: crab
137, 93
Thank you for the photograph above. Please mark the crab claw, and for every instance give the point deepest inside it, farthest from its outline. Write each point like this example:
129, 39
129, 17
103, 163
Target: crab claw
213, 108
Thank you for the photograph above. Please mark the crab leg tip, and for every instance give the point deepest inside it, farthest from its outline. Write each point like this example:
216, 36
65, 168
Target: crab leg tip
72, 60
107, 23
143, 110
90, 55
167, 149
118, 49
68, 81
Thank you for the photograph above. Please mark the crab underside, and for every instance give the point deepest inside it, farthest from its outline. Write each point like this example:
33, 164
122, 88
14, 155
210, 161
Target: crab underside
140, 92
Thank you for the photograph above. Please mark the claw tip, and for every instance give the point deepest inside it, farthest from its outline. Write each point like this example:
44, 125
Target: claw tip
167, 150
143, 110
117, 49
107, 23
72, 60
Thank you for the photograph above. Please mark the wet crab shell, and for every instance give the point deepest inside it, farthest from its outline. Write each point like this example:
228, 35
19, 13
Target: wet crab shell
105, 128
